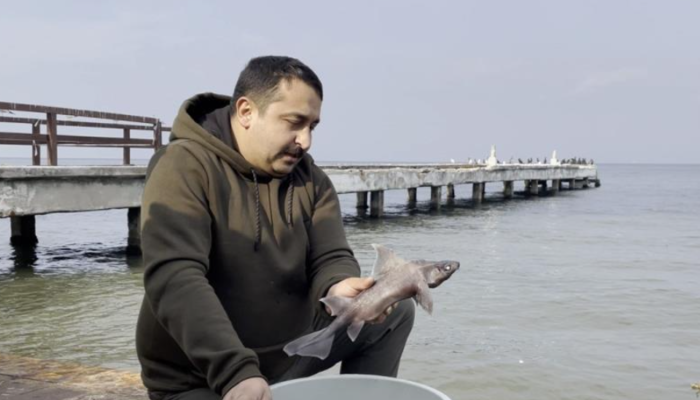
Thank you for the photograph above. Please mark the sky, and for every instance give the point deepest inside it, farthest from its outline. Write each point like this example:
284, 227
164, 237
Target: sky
404, 81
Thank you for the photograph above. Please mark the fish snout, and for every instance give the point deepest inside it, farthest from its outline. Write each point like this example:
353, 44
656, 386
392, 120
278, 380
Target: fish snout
451, 266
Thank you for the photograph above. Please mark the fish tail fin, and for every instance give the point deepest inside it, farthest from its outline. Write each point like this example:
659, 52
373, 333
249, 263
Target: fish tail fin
316, 344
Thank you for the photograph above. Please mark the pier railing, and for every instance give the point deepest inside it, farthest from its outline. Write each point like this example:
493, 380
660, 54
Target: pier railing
53, 117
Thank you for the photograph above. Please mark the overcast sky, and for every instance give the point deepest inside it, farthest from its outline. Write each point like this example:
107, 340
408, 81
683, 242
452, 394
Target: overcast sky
616, 81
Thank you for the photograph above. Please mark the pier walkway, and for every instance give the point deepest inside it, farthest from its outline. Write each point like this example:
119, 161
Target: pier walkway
34, 190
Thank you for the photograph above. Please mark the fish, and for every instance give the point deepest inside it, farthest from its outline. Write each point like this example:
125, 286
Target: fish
395, 279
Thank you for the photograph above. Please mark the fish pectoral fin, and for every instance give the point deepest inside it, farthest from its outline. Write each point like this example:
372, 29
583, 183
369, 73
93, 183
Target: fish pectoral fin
337, 304
354, 329
423, 298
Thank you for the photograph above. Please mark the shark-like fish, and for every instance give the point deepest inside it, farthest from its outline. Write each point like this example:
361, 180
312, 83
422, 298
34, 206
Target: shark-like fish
395, 279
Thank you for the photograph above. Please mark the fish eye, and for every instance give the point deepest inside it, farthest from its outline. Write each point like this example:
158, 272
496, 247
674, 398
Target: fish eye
448, 267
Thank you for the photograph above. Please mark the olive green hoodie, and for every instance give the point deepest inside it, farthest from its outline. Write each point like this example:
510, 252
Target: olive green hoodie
235, 260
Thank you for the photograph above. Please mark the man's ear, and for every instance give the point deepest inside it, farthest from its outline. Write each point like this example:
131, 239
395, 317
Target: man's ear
244, 111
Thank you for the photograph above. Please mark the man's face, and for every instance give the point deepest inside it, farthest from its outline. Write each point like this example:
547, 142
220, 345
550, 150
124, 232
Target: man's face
281, 135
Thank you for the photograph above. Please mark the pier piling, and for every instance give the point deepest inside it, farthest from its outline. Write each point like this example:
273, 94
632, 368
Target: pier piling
23, 231
450, 191
362, 200
533, 187
556, 186
435, 197
477, 192
133, 244
377, 204
508, 189
412, 197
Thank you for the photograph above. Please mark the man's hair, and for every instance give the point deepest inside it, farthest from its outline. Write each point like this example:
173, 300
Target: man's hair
260, 79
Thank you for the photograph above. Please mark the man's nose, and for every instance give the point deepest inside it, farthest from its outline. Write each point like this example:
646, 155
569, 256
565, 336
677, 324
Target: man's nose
304, 139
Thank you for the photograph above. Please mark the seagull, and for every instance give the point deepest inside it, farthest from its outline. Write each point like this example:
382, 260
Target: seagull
452, 160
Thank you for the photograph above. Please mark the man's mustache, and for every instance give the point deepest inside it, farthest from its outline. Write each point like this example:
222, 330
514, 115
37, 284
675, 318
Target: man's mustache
294, 151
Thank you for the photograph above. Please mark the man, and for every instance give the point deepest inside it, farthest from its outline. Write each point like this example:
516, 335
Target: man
241, 236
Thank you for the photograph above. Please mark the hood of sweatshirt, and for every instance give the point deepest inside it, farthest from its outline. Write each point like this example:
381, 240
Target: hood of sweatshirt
205, 119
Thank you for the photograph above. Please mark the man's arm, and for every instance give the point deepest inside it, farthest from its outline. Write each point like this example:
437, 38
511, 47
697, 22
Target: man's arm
331, 259
176, 238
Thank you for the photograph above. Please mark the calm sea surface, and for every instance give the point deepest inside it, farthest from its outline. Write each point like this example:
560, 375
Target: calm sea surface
592, 294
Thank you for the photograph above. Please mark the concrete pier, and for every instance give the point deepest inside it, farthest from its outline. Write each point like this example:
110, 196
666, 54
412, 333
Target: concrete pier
477, 192
435, 197
34, 190
376, 209
508, 189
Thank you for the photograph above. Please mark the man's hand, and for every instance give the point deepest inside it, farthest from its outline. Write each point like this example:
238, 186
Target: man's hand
351, 287
250, 389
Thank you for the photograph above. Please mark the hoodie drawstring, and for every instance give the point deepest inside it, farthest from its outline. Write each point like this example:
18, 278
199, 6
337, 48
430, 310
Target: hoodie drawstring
258, 233
290, 200
290, 205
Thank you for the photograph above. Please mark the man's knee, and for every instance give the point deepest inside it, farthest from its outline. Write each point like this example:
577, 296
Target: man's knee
404, 314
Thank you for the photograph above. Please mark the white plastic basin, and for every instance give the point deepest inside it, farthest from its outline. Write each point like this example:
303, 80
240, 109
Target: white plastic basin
353, 387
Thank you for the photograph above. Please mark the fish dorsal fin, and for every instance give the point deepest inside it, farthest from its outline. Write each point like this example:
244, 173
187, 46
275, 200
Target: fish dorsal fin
337, 304
386, 260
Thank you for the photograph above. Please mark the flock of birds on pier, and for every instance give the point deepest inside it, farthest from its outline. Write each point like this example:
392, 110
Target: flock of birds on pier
492, 160
537, 161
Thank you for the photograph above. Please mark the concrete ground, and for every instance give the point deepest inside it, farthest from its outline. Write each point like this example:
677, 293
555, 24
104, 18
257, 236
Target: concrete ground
24, 378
